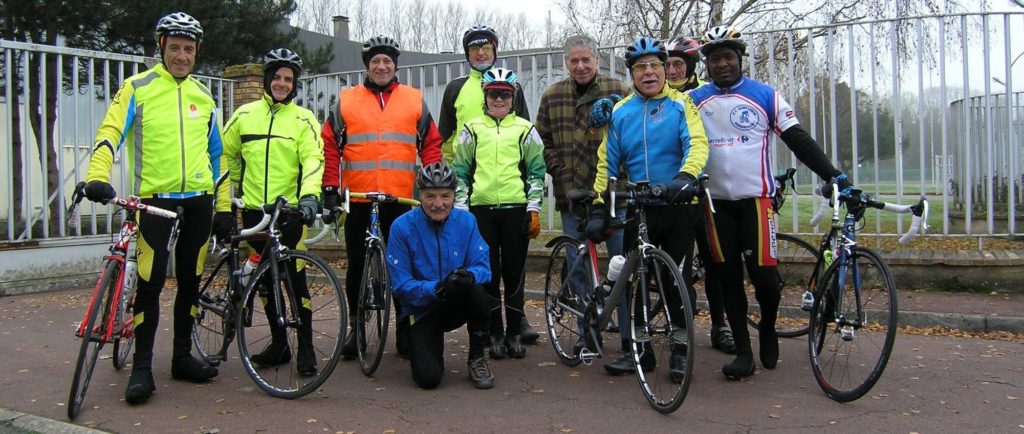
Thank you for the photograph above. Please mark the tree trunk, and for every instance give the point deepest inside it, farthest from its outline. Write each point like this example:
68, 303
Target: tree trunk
45, 79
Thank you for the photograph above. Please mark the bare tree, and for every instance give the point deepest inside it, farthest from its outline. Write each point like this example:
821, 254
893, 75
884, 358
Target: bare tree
316, 15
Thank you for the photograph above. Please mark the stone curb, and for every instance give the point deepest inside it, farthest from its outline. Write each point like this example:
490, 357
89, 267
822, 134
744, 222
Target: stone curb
972, 323
22, 422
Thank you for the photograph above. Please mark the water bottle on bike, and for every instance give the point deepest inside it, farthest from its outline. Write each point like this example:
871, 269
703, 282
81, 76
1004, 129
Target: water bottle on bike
250, 266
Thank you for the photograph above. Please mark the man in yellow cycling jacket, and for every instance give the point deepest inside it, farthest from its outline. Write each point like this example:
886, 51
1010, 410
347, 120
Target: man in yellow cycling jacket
167, 121
272, 147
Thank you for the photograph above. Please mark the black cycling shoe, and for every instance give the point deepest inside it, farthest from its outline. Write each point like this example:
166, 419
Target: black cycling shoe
188, 368
742, 366
514, 347
306, 361
140, 386
677, 363
529, 335
479, 374
769, 348
721, 339
275, 354
497, 351
348, 348
622, 365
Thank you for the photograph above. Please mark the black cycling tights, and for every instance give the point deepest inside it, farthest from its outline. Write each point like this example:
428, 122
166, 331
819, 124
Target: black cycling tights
670, 228
189, 256
502, 229
426, 335
744, 236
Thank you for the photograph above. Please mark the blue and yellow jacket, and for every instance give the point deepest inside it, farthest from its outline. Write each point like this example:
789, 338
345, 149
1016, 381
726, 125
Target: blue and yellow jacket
170, 128
421, 253
657, 138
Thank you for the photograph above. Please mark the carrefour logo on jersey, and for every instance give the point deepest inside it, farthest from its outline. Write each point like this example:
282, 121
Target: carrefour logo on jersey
744, 117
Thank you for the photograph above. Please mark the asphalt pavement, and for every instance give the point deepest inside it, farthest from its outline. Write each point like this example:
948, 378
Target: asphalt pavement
935, 382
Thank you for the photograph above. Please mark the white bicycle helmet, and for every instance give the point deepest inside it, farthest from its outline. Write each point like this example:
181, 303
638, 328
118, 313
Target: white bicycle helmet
179, 24
723, 36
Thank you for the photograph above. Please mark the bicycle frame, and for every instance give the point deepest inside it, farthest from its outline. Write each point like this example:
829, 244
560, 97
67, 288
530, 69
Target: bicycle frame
118, 253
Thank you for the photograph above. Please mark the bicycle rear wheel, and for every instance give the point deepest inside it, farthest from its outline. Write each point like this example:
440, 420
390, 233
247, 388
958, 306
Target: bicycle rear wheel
563, 307
796, 265
325, 312
92, 340
374, 310
124, 334
658, 335
853, 328
213, 326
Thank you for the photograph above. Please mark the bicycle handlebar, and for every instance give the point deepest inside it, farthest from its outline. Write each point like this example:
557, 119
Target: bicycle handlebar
918, 224
374, 196
268, 216
131, 203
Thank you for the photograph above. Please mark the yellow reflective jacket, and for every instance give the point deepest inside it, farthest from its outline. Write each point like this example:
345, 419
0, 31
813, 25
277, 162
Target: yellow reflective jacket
272, 150
173, 141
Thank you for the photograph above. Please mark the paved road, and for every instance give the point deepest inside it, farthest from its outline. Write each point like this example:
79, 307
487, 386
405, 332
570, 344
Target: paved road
933, 383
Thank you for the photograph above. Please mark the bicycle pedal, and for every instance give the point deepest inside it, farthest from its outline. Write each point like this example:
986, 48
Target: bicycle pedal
847, 333
588, 356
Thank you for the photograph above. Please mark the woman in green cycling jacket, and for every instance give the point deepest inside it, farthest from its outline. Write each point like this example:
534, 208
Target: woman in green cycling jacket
500, 165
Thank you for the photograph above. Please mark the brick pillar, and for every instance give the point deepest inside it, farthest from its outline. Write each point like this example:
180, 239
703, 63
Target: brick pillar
250, 84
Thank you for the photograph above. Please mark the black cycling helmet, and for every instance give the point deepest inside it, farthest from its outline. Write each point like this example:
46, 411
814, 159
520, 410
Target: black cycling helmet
381, 45
477, 35
280, 58
436, 175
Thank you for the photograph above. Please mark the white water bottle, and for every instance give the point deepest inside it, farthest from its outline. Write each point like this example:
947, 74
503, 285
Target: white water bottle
250, 266
131, 267
615, 267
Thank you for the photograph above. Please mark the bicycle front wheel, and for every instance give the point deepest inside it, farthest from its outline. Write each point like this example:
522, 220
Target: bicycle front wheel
213, 319
124, 334
92, 340
563, 307
853, 325
374, 310
662, 335
797, 262
291, 349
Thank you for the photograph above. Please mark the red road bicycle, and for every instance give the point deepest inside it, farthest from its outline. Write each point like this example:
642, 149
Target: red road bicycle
113, 293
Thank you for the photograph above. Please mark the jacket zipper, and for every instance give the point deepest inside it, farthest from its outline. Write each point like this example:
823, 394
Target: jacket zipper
266, 156
181, 139
437, 237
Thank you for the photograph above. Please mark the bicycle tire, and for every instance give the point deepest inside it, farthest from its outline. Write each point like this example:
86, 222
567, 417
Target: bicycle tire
654, 330
847, 366
563, 308
328, 320
124, 334
797, 260
213, 320
373, 313
92, 343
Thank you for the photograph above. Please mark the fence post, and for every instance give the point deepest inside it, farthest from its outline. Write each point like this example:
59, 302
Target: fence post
249, 86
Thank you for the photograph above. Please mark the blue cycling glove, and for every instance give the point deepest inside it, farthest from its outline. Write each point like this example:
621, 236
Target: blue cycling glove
601, 113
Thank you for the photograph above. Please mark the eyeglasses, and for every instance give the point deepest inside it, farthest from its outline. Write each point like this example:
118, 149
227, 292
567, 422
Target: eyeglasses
504, 95
641, 67
477, 49
678, 64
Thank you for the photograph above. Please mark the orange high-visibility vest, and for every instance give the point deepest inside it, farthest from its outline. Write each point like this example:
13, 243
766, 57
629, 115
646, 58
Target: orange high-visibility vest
380, 152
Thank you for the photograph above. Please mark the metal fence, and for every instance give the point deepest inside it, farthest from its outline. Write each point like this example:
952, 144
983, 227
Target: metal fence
906, 106
885, 91
53, 99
